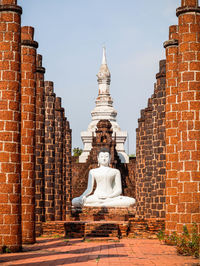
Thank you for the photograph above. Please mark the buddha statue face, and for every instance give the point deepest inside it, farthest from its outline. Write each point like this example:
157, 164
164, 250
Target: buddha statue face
104, 158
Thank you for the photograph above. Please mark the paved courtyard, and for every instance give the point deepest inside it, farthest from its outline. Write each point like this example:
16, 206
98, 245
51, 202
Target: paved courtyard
57, 251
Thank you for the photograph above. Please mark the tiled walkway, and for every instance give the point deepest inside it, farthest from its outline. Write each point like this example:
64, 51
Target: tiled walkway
76, 252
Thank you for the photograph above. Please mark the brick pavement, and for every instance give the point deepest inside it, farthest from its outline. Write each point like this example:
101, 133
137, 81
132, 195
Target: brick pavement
57, 251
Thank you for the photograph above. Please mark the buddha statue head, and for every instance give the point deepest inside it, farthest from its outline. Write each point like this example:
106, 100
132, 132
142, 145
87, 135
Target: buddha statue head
104, 157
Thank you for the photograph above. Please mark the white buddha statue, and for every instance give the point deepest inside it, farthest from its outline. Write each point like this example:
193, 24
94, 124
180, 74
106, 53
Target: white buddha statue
108, 186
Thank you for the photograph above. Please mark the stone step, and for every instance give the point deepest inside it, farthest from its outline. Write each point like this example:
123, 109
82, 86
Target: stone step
101, 239
96, 229
53, 228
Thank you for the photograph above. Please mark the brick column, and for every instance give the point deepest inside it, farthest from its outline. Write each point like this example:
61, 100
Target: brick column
171, 47
49, 150
189, 107
150, 153
68, 140
147, 188
28, 89
140, 166
58, 158
158, 144
64, 170
39, 146
10, 50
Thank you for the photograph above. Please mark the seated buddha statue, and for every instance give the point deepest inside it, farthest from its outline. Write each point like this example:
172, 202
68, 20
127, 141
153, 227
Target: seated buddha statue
108, 186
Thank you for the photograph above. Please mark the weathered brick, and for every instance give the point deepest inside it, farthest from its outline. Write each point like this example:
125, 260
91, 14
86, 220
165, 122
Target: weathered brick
28, 83
39, 146
49, 166
150, 149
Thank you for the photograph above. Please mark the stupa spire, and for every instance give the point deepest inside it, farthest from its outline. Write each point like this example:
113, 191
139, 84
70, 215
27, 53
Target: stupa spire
104, 75
104, 110
104, 61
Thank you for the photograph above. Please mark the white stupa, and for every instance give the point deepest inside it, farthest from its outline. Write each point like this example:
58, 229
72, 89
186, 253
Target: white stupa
104, 110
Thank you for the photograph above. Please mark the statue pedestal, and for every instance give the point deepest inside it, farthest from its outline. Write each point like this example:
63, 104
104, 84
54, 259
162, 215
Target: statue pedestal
103, 214
95, 222
96, 229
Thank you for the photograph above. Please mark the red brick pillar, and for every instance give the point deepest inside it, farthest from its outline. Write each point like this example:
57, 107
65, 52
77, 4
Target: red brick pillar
49, 150
148, 156
171, 47
39, 146
140, 166
150, 153
189, 111
157, 194
58, 158
64, 170
68, 141
10, 50
28, 90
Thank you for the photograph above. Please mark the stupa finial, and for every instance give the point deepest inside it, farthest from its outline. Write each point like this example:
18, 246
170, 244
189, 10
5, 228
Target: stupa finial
104, 73
104, 61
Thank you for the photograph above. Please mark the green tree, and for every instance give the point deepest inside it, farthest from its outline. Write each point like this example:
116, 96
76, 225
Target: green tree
132, 155
77, 152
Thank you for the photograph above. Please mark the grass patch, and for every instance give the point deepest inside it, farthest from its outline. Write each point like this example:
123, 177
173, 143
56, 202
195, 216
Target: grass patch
186, 244
97, 259
5, 249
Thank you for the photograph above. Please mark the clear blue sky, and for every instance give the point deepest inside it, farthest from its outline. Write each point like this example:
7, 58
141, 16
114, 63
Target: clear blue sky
71, 34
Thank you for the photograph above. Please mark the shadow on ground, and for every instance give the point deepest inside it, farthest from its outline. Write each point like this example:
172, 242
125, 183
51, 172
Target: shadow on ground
43, 251
77, 259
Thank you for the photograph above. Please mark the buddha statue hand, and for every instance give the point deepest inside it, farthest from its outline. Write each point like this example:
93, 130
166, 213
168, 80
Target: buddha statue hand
103, 196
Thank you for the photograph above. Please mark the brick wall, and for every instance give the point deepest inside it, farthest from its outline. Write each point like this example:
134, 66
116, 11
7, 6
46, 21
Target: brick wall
150, 153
